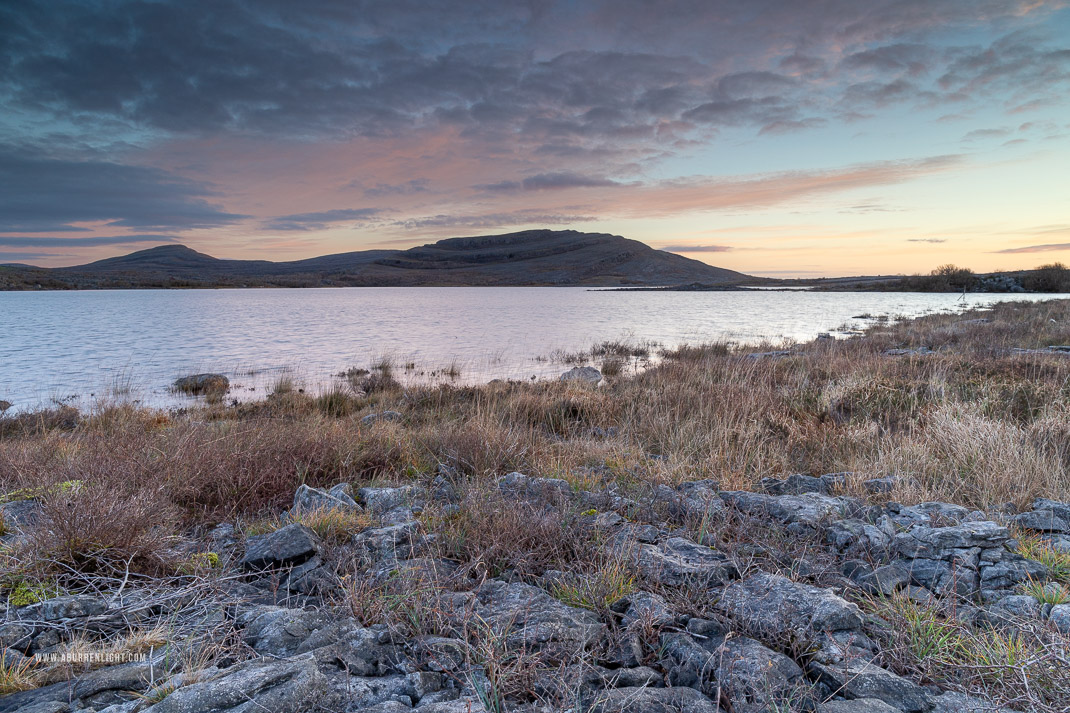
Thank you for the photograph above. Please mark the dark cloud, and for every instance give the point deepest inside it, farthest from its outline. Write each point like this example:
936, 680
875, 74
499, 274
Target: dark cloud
416, 185
1049, 247
981, 134
493, 220
788, 127
880, 94
697, 249
801, 64
42, 242
562, 94
321, 219
380, 67
913, 59
1018, 62
47, 195
549, 182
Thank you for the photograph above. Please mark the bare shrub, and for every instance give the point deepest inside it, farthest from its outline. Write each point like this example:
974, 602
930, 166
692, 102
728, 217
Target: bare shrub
101, 524
492, 535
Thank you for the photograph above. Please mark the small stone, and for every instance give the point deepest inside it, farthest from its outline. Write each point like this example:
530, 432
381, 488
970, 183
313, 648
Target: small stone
69, 607
858, 705
780, 607
679, 561
381, 500
1059, 616
796, 484
1020, 606
647, 700
645, 608
876, 486
1043, 521
374, 418
255, 685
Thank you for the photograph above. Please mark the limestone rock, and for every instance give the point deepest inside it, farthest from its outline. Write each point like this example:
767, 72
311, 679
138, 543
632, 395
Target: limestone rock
290, 545
374, 418
780, 607
381, 500
858, 679
858, 705
308, 499
583, 374
1059, 616
679, 561
531, 618
522, 487
809, 509
653, 700
196, 384
1044, 520
292, 686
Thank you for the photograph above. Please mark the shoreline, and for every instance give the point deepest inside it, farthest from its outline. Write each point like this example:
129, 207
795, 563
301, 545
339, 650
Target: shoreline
882, 517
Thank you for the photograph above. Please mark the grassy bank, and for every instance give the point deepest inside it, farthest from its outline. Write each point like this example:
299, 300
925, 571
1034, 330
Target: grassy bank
972, 422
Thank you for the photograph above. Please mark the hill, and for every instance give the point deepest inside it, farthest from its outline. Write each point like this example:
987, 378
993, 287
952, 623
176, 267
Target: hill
531, 257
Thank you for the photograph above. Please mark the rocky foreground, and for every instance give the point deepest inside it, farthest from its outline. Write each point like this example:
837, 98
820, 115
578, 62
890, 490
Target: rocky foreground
699, 600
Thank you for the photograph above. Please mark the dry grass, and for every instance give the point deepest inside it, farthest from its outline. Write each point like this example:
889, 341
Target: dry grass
17, 674
494, 536
329, 524
1022, 665
1057, 561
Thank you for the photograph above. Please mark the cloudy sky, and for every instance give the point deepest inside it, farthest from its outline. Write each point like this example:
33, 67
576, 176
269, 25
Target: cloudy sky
777, 137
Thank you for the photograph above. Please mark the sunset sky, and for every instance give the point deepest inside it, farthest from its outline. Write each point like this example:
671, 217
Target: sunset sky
775, 137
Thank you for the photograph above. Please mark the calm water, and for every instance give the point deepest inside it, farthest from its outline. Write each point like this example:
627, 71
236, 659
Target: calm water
80, 346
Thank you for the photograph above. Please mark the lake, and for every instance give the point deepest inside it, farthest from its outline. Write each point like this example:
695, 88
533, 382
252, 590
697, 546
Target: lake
76, 347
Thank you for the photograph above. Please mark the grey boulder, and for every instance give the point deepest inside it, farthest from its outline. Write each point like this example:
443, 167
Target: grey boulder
679, 561
583, 374
290, 545
202, 384
381, 500
653, 700
532, 619
308, 499
859, 679
258, 685
779, 607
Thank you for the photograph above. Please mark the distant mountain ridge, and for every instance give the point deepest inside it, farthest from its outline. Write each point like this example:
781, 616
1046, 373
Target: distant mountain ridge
530, 257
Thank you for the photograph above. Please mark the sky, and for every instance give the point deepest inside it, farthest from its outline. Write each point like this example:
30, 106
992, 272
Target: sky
775, 137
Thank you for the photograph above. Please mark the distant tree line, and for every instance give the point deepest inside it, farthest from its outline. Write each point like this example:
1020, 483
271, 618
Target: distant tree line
1054, 277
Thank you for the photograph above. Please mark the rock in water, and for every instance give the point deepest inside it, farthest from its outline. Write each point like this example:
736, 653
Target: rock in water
202, 384
583, 373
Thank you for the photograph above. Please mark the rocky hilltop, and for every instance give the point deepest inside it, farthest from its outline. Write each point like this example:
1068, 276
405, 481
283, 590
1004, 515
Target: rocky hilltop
531, 257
